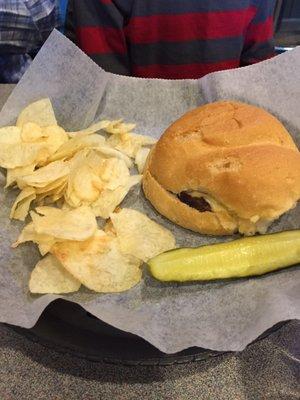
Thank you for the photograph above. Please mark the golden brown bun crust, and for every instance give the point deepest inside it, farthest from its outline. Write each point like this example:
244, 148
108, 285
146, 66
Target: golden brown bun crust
240, 155
183, 215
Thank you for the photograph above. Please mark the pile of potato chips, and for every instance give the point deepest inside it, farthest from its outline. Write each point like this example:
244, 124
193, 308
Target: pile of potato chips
85, 175
76, 168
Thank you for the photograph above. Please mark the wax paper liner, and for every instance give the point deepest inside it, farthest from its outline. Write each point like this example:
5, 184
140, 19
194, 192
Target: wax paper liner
216, 315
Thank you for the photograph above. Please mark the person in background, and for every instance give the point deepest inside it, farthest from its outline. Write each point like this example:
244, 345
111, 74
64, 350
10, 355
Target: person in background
172, 38
24, 26
63, 4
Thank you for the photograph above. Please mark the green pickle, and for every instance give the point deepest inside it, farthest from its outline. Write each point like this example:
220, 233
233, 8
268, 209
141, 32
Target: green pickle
256, 255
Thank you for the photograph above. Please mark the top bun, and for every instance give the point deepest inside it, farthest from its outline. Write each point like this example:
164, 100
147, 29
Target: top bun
239, 159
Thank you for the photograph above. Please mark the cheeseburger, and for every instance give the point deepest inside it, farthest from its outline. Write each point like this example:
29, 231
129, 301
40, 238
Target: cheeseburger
224, 167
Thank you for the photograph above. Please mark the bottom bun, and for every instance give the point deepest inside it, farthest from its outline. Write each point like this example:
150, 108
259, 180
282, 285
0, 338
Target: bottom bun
167, 204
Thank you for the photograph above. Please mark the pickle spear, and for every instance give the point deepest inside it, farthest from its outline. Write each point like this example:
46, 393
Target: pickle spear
244, 257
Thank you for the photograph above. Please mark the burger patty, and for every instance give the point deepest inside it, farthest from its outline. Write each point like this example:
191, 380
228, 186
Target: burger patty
195, 202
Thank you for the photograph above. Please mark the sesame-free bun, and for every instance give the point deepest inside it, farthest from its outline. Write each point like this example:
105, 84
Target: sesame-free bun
237, 157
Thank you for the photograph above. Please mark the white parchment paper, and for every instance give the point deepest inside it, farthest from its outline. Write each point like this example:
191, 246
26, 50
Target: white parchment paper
216, 315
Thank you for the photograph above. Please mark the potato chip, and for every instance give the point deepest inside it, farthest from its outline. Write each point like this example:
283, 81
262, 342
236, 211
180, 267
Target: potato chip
91, 174
31, 132
52, 136
29, 234
109, 199
39, 144
22, 203
83, 183
130, 143
96, 127
108, 151
114, 173
71, 198
141, 157
12, 174
139, 236
78, 224
117, 127
134, 180
74, 145
45, 175
109, 229
44, 248
52, 187
57, 194
49, 276
98, 174
10, 135
86, 184
40, 112
98, 264
93, 159
48, 211
65, 206
22, 154
51, 196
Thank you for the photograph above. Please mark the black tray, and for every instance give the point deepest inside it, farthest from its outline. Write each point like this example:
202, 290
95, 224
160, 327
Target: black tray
66, 327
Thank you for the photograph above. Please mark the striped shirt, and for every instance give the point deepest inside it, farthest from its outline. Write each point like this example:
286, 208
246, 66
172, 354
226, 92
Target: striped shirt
173, 38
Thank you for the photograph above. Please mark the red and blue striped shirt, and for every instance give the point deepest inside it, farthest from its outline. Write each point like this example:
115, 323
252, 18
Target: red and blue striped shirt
173, 38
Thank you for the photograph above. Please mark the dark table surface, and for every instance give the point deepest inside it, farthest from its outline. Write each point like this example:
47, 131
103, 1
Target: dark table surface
266, 370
